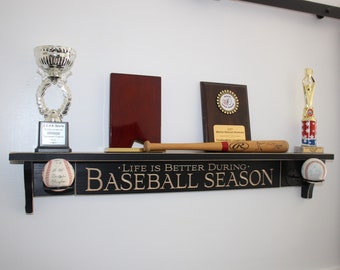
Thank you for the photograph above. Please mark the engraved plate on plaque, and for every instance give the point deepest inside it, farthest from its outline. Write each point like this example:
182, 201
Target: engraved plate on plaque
224, 133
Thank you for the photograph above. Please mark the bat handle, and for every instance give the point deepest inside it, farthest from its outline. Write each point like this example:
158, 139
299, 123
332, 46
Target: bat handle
212, 146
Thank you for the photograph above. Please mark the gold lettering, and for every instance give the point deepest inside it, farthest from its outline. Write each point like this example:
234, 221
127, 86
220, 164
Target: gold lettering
113, 182
243, 177
220, 179
178, 186
153, 178
94, 178
167, 181
139, 180
269, 178
125, 168
210, 180
212, 167
232, 178
190, 181
134, 168
167, 167
127, 181
155, 168
258, 178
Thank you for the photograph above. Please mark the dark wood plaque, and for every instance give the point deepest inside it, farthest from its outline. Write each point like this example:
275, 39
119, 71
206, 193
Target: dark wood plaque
135, 109
225, 112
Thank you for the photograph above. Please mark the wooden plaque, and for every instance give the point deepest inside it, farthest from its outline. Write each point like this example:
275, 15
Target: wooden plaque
225, 112
135, 109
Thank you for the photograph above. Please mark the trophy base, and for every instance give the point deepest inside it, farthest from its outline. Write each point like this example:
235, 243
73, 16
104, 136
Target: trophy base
308, 149
53, 137
52, 150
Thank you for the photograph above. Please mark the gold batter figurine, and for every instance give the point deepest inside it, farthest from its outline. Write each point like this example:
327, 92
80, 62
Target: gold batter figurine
308, 88
308, 120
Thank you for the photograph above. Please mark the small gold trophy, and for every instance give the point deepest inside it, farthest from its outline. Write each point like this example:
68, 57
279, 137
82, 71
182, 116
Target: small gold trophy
308, 139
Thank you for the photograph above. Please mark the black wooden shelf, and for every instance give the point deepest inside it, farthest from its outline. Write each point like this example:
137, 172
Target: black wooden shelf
318, 9
93, 156
118, 173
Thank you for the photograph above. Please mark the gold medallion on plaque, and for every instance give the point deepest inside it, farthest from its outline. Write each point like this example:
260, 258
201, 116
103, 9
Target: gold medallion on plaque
227, 101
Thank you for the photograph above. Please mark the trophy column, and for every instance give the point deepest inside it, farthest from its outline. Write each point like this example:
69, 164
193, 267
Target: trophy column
54, 64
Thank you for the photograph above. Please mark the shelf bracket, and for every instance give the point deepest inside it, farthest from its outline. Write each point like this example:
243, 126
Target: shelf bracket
307, 190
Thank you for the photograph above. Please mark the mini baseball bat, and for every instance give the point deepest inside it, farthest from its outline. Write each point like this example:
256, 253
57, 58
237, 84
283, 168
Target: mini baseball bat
268, 146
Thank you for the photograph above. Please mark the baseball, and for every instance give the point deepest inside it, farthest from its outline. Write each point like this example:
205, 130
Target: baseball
58, 173
314, 169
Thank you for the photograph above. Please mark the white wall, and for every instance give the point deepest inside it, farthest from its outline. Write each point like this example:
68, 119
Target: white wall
184, 42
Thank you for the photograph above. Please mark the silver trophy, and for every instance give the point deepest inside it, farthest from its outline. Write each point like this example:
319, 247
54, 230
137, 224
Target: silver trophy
54, 64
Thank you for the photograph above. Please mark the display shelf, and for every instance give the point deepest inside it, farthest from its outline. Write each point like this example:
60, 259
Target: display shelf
318, 9
117, 173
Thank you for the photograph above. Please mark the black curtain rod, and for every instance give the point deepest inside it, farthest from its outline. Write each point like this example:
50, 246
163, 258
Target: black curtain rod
320, 10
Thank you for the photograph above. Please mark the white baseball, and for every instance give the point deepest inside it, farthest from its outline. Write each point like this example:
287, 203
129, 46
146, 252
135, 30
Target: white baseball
58, 173
314, 169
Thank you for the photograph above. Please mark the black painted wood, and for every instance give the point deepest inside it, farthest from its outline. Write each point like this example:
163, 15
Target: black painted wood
307, 190
28, 175
115, 173
318, 9
81, 157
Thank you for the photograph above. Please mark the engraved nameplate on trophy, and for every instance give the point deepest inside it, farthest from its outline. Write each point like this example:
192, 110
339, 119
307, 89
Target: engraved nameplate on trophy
225, 112
53, 134
54, 64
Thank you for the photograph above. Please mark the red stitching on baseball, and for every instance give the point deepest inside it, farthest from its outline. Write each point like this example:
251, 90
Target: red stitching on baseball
68, 170
47, 173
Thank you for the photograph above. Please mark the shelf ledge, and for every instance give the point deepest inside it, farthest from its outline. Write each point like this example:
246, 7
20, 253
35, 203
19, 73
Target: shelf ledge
121, 173
318, 9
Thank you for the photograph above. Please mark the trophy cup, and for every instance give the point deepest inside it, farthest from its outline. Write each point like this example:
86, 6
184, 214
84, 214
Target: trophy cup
309, 127
54, 64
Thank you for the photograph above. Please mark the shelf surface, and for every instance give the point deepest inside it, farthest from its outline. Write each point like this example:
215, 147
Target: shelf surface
86, 156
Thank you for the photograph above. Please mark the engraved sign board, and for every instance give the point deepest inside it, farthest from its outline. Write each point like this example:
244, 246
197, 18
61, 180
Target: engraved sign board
225, 112
135, 109
158, 176
168, 176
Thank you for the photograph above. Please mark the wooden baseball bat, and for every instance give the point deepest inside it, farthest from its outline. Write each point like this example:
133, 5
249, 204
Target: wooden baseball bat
268, 146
